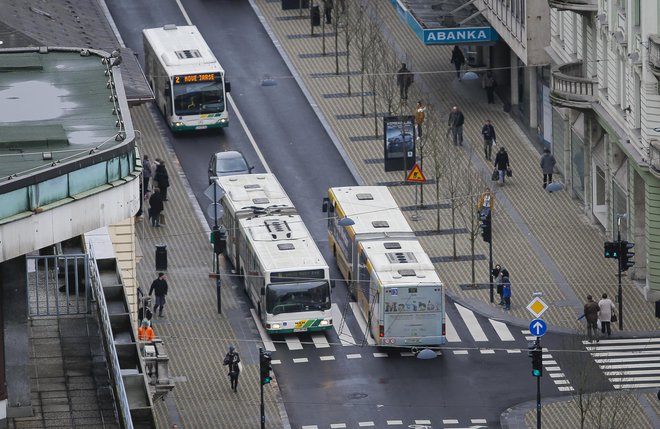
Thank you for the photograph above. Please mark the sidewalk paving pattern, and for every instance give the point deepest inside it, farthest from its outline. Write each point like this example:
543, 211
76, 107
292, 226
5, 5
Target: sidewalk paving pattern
545, 240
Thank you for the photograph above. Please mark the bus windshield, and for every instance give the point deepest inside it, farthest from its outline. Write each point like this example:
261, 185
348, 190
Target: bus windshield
198, 98
296, 297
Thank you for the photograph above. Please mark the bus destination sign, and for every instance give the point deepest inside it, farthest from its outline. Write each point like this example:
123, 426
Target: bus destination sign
195, 78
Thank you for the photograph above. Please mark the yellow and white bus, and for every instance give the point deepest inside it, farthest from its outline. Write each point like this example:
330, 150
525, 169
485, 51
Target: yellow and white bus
188, 82
284, 274
388, 272
247, 195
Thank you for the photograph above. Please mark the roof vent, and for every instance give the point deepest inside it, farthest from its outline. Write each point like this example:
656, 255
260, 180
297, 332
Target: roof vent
401, 257
363, 197
260, 200
392, 245
380, 224
278, 228
188, 53
252, 186
407, 273
285, 246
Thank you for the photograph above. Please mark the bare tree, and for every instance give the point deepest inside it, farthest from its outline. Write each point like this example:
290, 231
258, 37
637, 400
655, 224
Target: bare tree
387, 81
374, 65
472, 185
436, 146
349, 27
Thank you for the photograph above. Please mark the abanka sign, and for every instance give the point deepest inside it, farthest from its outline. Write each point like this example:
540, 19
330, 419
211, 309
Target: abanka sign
451, 36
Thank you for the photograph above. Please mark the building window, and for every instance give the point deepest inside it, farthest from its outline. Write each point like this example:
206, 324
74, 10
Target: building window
577, 151
558, 129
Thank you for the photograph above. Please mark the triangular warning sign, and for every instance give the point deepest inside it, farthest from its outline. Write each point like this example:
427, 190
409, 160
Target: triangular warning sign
416, 175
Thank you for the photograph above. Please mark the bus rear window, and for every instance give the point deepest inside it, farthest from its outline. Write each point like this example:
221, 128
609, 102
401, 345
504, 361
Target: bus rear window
288, 276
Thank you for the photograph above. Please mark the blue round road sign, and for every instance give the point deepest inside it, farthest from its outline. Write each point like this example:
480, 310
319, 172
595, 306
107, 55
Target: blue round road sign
538, 327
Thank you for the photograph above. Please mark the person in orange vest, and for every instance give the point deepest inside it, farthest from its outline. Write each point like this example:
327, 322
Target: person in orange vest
146, 332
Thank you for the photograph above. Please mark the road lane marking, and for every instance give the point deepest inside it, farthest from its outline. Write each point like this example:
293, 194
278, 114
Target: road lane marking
502, 330
338, 321
450, 332
265, 338
293, 343
300, 360
362, 323
354, 356
320, 341
327, 358
472, 324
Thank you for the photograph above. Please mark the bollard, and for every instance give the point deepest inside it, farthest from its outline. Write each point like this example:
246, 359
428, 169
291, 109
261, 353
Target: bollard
161, 257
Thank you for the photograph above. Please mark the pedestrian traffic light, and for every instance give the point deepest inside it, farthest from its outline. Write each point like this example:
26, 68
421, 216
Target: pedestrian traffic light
486, 226
219, 240
612, 249
264, 366
625, 255
537, 361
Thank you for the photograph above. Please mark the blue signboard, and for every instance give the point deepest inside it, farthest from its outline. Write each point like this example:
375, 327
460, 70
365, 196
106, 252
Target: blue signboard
454, 36
538, 327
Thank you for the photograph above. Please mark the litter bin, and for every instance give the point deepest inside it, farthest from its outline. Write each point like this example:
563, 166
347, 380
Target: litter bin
161, 257
315, 15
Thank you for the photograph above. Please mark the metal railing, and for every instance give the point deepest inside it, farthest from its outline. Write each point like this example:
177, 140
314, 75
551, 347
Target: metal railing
104, 318
570, 88
654, 54
577, 6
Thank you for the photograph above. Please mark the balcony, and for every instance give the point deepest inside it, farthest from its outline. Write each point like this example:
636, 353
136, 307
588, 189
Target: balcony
578, 6
571, 89
654, 157
654, 54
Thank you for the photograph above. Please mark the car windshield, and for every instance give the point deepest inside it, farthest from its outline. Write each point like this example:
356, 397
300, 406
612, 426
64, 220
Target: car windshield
199, 98
230, 165
295, 297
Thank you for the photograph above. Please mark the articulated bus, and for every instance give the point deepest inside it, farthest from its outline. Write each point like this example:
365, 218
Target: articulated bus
388, 272
284, 274
187, 80
248, 195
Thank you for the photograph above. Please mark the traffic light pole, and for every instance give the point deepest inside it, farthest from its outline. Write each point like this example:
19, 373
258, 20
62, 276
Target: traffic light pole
538, 392
218, 283
263, 415
490, 264
620, 289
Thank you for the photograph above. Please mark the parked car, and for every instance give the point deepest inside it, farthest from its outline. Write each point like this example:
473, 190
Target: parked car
228, 163
395, 144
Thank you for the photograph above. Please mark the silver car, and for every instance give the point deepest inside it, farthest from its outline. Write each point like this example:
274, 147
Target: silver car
228, 163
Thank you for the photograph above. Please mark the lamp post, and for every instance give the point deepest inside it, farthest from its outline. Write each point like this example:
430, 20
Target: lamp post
620, 289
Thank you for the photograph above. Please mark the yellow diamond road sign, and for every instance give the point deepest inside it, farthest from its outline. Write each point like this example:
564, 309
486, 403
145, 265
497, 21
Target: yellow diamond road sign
537, 307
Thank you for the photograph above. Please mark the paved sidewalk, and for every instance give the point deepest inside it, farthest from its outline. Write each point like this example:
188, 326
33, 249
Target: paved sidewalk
196, 336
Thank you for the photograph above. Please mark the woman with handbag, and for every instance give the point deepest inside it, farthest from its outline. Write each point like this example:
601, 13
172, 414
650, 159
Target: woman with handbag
606, 314
502, 164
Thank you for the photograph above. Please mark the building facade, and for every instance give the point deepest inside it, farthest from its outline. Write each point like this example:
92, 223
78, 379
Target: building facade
606, 119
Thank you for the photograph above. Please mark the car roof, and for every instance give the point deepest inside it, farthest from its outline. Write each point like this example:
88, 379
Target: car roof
229, 154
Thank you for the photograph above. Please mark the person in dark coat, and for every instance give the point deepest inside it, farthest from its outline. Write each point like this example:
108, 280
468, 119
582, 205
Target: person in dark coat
455, 122
497, 278
327, 11
404, 78
232, 359
488, 131
162, 179
159, 287
155, 207
147, 172
458, 59
502, 163
548, 166
506, 290
489, 83
591, 310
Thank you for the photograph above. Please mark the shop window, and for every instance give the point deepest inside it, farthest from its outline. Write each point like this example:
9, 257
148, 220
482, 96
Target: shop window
577, 159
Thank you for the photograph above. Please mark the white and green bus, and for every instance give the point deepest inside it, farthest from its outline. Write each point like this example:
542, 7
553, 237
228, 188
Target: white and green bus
188, 82
284, 274
389, 274
248, 195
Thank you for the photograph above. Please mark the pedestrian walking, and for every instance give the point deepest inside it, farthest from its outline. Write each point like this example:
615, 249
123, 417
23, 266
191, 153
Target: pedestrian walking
456, 120
458, 59
327, 10
502, 164
404, 78
548, 166
489, 84
159, 287
420, 115
485, 203
162, 178
232, 360
488, 131
156, 207
591, 310
146, 332
606, 314
506, 290
497, 279
147, 174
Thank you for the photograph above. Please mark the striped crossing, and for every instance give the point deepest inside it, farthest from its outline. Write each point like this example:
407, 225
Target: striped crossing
628, 363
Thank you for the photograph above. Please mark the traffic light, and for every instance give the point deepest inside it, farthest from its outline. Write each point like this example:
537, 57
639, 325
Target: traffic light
219, 240
264, 366
625, 255
612, 249
537, 360
486, 226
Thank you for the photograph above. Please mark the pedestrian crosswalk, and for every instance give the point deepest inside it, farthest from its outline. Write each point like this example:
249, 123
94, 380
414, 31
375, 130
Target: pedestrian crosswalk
474, 334
415, 424
628, 363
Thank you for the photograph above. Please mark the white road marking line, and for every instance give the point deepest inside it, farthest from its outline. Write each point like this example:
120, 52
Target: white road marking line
557, 375
422, 422
629, 365
550, 362
310, 427
479, 421
561, 381
449, 422
293, 343
354, 356
625, 340
565, 388
362, 323
514, 351
502, 330
276, 362
640, 372
450, 332
636, 386
631, 353
487, 351
300, 360
380, 355
460, 352
552, 368
598, 347
630, 360
407, 354
394, 422
526, 332
337, 425
338, 320
472, 324
248, 133
366, 424
327, 358
320, 341
265, 338
634, 379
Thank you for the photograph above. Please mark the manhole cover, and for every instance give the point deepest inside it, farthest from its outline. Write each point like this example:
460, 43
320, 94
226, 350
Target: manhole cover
357, 395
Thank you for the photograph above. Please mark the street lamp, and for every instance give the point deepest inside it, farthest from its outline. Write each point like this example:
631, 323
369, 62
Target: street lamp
426, 354
346, 221
470, 75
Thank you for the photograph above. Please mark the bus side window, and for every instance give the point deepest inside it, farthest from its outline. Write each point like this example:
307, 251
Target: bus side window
331, 215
